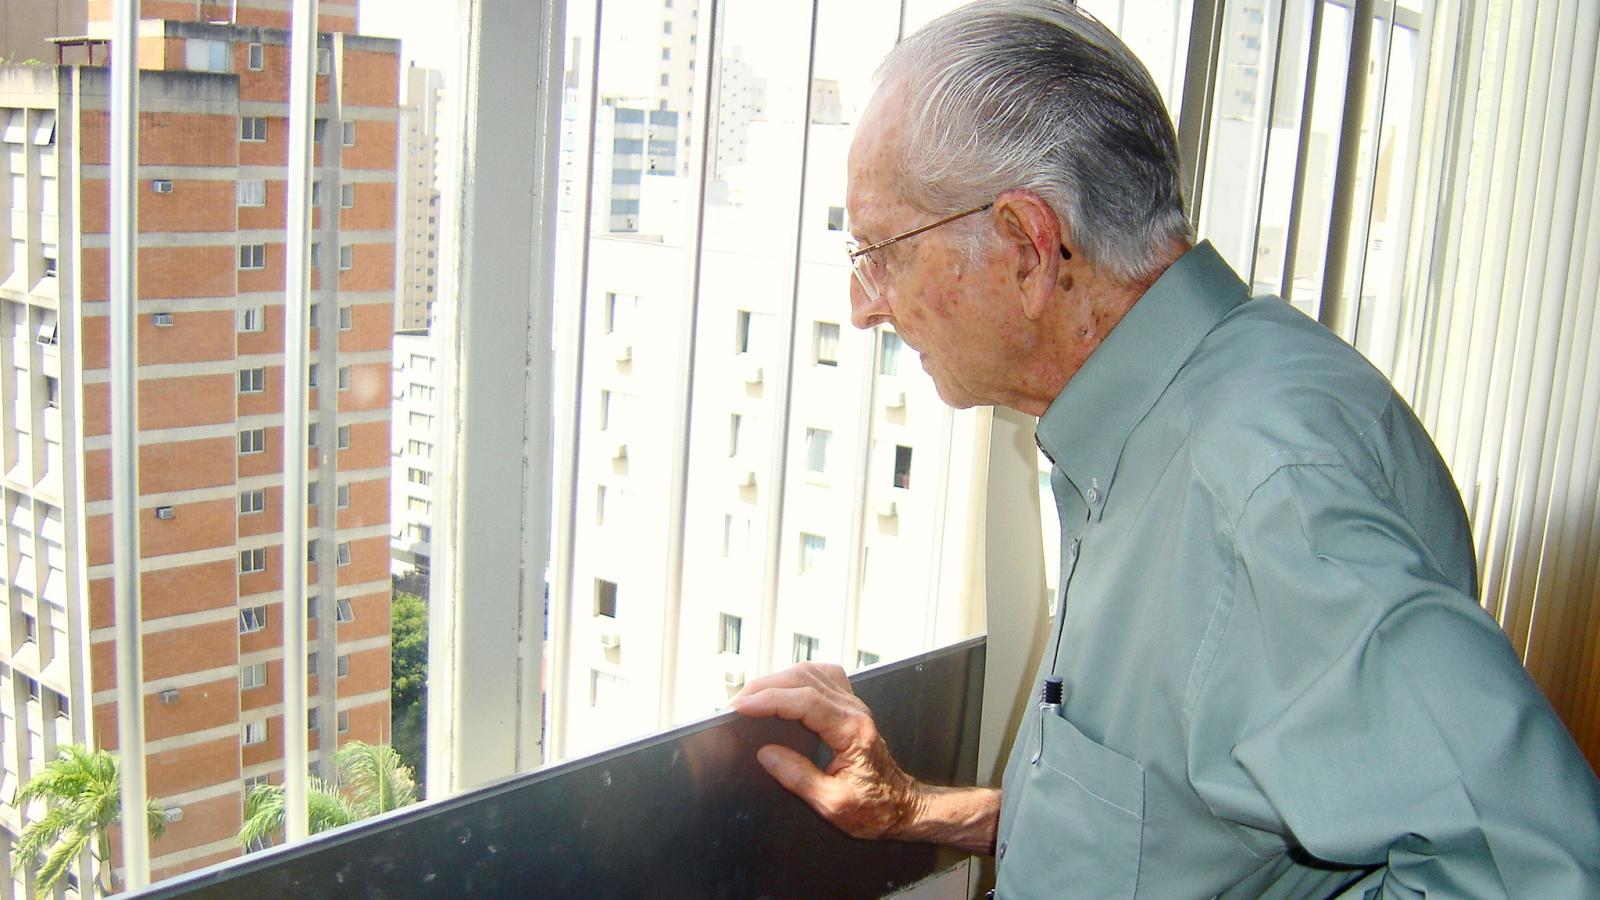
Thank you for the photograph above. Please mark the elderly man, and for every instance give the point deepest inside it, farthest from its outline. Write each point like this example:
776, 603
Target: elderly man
1277, 679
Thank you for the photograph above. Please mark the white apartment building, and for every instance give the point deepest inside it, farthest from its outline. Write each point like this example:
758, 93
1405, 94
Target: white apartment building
415, 390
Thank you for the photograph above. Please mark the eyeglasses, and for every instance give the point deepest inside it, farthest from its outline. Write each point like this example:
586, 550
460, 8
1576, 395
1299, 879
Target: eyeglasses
862, 263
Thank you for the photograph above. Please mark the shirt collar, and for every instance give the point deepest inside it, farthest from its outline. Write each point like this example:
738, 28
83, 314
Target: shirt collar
1086, 426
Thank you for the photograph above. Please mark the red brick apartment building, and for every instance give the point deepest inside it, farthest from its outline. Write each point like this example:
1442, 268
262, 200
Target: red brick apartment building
211, 190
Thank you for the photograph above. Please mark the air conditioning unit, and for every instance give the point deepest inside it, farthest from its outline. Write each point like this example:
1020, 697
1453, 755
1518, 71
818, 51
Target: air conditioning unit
745, 478
623, 351
169, 696
887, 507
610, 640
894, 399
752, 373
166, 512
173, 814
161, 320
161, 186
733, 678
619, 449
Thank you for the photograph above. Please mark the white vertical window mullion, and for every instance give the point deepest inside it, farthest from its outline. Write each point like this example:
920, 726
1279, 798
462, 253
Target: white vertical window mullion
297, 291
484, 647
707, 53
566, 428
124, 290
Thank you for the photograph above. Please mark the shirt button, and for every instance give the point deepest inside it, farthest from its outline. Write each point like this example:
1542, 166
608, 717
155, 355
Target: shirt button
1002, 850
1093, 496
1072, 548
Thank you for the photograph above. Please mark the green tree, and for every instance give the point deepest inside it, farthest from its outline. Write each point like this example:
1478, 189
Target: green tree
408, 641
82, 793
372, 780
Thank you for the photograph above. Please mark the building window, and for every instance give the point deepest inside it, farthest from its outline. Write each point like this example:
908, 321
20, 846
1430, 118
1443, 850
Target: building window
314, 718
342, 496
347, 260
313, 432
419, 476
347, 319
252, 501
805, 647
605, 598
202, 55
741, 331
902, 466
311, 375
344, 720
605, 410
347, 134
30, 632
252, 381
419, 505
255, 732
343, 663
252, 676
421, 421
419, 448
342, 553
344, 437
252, 440
252, 256
311, 550
252, 560
316, 195
344, 378
347, 196
257, 58
253, 128
812, 546
619, 312
735, 432
324, 60
319, 130
728, 640
52, 392
312, 658
835, 218
252, 192
889, 361
817, 450
865, 658
825, 344
313, 315
252, 318
316, 254
343, 611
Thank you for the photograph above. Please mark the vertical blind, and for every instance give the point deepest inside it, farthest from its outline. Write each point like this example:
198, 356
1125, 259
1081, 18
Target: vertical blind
1501, 314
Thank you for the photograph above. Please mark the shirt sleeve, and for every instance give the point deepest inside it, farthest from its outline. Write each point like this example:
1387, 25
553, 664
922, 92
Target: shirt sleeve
1392, 724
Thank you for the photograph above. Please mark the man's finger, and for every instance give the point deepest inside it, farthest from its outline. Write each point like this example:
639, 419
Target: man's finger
802, 675
807, 705
799, 775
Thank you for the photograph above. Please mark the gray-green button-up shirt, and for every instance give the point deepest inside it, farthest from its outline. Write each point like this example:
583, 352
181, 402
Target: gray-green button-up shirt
1278, 680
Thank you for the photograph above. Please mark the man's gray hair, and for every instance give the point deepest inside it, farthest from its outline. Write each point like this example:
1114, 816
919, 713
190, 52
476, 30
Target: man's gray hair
1038, 95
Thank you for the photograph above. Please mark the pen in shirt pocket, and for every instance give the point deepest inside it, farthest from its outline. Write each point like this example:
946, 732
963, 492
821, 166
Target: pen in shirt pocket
1049, 705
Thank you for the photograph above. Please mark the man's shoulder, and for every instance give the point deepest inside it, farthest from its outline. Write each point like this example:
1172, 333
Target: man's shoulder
1268, 388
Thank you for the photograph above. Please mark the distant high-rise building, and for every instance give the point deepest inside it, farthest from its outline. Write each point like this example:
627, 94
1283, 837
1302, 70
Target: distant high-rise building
413, 459
417, 283
210, 322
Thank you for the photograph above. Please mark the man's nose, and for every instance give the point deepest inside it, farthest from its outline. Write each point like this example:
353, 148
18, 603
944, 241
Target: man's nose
866, 312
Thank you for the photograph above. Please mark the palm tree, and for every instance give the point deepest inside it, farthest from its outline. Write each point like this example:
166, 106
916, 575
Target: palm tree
82, 792
372, 780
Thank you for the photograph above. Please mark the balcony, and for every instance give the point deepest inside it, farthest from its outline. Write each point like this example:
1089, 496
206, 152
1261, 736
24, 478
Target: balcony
683, 813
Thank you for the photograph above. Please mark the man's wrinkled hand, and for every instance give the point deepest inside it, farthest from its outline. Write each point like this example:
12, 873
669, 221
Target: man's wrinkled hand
863, 792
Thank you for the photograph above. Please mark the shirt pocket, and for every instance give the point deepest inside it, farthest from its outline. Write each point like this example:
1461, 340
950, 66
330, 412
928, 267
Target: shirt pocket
1079, 824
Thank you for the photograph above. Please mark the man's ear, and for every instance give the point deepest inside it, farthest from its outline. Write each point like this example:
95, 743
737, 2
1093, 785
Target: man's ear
1029, 228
